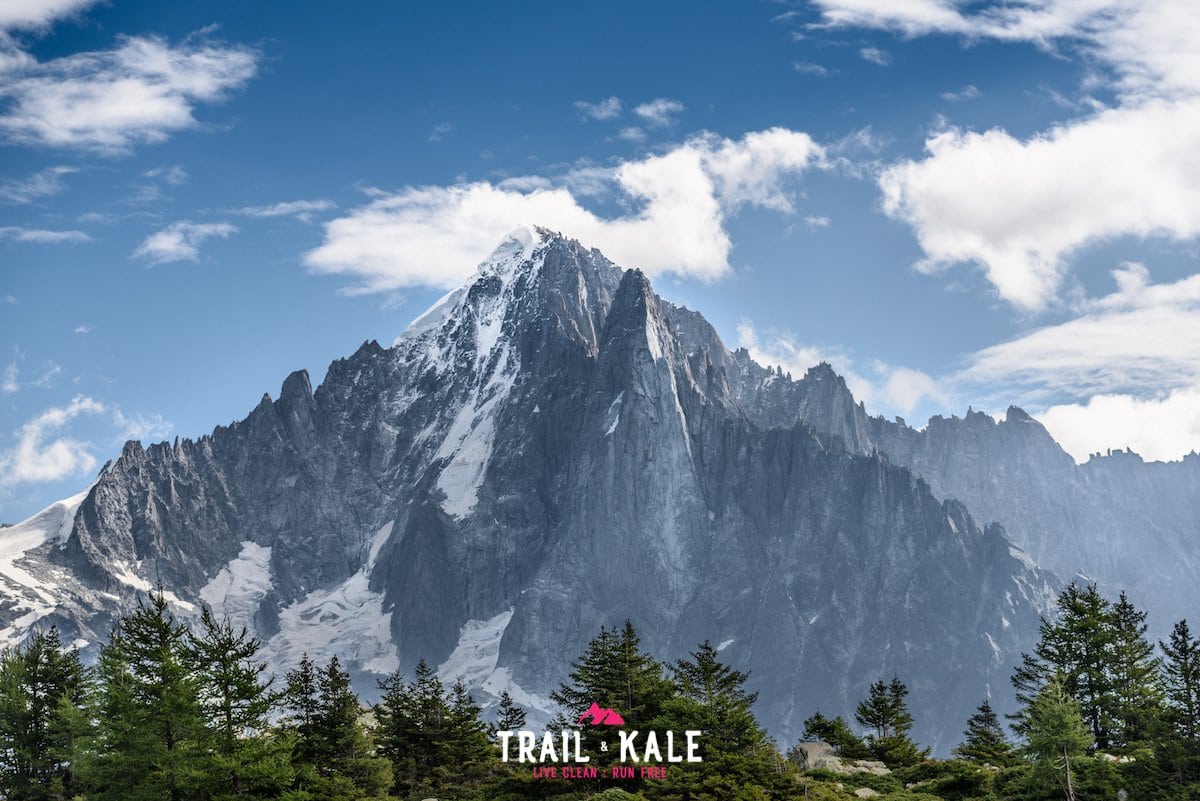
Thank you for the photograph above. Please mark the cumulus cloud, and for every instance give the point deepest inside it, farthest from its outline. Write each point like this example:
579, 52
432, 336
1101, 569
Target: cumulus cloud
180, 241
436, 235
38, 185
1163, 428
108, 101
659, 112
41, 236
41, 455
1125, 371
1021, 207
607, 109
37, 14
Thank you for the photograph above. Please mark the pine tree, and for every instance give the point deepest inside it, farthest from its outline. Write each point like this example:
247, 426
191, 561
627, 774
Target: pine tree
720, 698
1181, 675
413, 730
335, 757
835, 732
1056, 734
615, 672
470, 750
1078, 645
1137, 691
236, 703
510, 717
885, 713
40, 683
984, 741
151, 742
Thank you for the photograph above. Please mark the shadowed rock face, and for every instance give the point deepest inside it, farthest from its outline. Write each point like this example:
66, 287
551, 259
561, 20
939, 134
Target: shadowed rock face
1128, 524
551, 448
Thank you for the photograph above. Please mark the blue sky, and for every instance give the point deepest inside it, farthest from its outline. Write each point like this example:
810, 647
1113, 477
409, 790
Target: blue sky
955, 203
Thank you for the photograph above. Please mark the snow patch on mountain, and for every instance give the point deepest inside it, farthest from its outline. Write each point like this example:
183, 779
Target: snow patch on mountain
27, 593
475, 657
467, 446
239, 587
346, 621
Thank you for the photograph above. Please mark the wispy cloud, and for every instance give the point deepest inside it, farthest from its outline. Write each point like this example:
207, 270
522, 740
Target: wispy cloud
41, 236
876, 56
43, 183
108, 101
180, 241
659, 112
439, 131
968, 92
632, 133
300, 209
809, 68
607, 109
175, 175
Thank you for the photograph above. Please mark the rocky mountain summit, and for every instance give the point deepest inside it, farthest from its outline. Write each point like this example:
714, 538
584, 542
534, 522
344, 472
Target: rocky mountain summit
550, 448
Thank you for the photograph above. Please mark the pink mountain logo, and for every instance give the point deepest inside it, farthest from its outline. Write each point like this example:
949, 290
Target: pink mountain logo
601, 716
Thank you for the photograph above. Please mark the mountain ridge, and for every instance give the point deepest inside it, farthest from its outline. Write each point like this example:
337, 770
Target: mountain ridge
554, 447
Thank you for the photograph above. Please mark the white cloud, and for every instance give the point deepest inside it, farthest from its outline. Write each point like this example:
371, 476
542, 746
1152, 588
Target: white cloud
607, 109
876, 56
816, 221
41, 456
1162, 428
435, 235
888, 390
300, 209
37, 14
1124, 372
1143, 338
108, 101
659, 112
968, 92
175, 175
144, 429
40, 236
809, 68
83, 329
632, 133
180, 241
439, 131
10, 379
1021, 208
38, 185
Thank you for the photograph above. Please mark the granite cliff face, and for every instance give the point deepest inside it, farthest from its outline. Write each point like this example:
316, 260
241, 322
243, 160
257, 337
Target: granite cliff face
1116, 519
550, 448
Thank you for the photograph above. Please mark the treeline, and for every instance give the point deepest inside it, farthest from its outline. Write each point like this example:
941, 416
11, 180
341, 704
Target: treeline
178, 713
